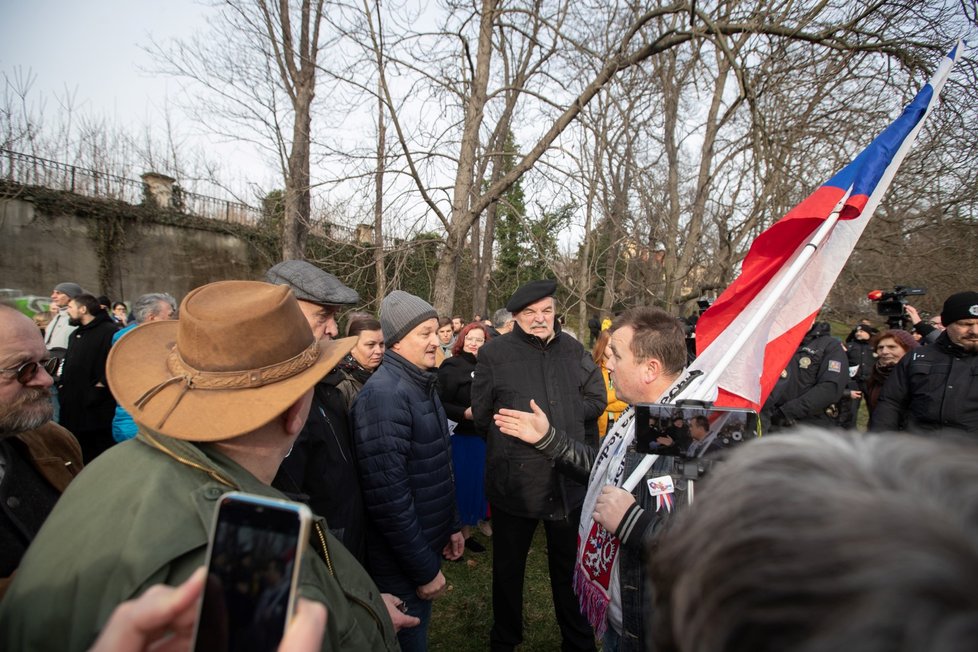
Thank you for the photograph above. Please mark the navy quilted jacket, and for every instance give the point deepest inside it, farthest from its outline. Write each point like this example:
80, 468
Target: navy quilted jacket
403, 451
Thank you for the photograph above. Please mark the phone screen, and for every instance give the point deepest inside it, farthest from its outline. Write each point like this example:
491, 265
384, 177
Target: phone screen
252, 564
692, 433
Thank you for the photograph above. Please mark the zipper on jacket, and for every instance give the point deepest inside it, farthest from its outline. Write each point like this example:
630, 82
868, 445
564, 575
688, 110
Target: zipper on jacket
370, 610
322, 542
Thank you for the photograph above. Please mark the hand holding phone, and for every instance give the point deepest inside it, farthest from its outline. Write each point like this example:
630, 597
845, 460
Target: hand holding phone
162, 620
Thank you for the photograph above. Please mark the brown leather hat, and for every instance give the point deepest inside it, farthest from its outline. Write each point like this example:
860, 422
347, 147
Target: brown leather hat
240, 355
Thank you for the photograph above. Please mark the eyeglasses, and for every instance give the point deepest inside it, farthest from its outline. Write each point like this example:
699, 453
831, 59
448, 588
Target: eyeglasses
25, 373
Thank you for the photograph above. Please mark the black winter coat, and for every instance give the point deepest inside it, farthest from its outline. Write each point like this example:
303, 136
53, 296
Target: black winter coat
321, 470
812, 383
455, 390
403, 451
860, 354
87, 405
566, 384
935, 387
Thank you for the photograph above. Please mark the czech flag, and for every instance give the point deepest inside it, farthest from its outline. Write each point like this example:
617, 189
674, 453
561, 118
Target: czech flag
746, 338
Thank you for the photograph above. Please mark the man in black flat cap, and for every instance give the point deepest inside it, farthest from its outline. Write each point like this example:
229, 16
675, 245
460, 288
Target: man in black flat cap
320, 470
535, 361
320, 294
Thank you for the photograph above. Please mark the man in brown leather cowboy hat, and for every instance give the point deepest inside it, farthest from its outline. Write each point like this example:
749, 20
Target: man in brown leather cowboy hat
219, 398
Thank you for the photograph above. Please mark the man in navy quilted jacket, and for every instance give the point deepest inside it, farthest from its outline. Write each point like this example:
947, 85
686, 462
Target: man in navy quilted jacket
404, 457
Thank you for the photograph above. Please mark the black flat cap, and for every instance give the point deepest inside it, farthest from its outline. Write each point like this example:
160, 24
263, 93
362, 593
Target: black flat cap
309, 283
529, 293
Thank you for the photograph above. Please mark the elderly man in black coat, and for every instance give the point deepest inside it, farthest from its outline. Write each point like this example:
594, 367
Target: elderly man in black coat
538, 362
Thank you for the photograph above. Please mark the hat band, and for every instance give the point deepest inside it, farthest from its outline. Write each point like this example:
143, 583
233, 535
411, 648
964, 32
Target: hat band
191, 378
246, 379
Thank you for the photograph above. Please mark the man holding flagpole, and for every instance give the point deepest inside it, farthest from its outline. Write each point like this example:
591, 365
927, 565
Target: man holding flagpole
745, 340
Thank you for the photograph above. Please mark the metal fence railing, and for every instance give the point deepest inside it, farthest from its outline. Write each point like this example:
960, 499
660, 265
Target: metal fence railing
32, 170
35, 171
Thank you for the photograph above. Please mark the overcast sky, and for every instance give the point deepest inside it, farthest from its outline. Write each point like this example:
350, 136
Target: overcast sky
92, 47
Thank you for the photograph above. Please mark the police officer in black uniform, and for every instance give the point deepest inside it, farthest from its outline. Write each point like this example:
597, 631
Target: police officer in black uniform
812, 384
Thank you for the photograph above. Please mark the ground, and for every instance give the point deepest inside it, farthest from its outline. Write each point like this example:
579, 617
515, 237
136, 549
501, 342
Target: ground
463, 616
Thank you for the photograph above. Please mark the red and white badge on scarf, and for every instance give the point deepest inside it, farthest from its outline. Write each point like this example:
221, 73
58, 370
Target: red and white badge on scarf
662, 489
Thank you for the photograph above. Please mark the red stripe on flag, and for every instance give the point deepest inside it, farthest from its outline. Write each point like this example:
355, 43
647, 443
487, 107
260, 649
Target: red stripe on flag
854, 207
768, 254
777, 355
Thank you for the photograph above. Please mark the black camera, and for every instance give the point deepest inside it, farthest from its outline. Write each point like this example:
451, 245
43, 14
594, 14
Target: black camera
892, 305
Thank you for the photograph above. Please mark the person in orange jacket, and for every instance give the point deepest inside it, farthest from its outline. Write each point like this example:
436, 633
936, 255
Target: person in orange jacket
615, 406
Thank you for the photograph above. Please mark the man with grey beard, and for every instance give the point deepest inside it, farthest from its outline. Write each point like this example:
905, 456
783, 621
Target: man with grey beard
38, 458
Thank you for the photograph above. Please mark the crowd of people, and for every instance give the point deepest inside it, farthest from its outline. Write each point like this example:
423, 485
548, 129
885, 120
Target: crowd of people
932, 365
120, 429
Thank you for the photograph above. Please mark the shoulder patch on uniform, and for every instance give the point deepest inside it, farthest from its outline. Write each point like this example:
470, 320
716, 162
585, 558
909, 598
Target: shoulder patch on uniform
835, 366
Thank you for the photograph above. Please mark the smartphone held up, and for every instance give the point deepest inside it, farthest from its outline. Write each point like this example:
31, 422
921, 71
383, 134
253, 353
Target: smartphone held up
253, 563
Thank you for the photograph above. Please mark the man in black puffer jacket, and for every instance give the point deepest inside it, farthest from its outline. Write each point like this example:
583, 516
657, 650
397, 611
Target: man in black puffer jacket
404, 455
535, 361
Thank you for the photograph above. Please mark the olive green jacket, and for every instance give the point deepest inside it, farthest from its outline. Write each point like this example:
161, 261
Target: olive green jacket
139, 515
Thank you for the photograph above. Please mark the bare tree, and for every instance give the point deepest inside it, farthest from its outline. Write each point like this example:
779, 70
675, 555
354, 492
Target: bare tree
639, 35
257, 69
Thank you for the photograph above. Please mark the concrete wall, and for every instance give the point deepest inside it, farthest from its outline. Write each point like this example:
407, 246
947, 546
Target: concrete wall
38, 251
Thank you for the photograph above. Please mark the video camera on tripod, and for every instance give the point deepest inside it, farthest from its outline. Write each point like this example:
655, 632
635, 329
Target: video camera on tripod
892, 305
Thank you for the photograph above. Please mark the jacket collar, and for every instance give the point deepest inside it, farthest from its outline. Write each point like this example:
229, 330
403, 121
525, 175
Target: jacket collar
944, 343
204, 458
465, 355
99, 318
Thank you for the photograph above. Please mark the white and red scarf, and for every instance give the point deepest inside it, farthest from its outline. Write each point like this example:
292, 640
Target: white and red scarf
596, 569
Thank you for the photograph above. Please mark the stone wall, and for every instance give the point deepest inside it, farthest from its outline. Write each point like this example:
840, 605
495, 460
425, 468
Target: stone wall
37, 251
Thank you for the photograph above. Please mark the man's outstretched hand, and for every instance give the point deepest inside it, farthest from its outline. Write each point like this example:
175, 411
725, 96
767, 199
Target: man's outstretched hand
530, 427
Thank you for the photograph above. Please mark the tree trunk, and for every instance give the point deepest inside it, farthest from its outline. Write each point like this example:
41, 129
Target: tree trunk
297, 200
584, 277
462, 215
475, 247
379, 263
480, 293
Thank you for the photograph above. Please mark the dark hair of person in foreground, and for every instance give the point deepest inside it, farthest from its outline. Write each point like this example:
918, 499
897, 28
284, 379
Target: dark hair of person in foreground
817, 542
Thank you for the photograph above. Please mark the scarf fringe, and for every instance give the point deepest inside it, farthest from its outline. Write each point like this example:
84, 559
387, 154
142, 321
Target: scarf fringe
594, 601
